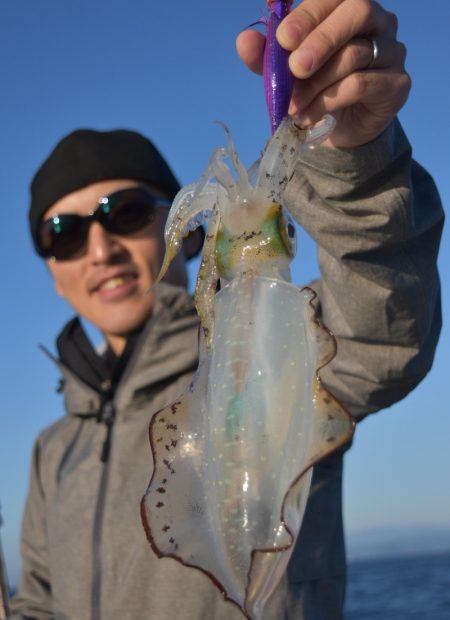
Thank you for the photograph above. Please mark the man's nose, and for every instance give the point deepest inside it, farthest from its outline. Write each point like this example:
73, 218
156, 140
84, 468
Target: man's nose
101, 245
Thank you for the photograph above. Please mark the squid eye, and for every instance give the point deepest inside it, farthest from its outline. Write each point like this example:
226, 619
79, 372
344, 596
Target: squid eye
288, 232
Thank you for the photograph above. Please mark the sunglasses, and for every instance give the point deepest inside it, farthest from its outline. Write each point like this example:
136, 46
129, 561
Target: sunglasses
125, 212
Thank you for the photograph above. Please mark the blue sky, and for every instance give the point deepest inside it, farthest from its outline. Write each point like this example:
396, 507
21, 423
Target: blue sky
169, 69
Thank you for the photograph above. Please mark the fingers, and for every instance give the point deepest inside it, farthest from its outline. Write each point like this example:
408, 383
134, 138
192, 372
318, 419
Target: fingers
316, 30
332, 54
355, 56
359, 95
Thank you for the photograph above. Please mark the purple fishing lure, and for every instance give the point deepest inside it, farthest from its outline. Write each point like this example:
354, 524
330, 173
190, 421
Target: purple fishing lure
278, 80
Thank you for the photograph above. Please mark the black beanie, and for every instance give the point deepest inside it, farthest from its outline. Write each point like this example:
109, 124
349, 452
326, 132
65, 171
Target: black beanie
86, 156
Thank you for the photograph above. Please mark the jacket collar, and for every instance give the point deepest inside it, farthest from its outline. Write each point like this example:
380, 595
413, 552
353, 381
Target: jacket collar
166, 348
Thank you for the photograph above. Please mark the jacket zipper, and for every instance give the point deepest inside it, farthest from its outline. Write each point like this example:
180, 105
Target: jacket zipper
107, 416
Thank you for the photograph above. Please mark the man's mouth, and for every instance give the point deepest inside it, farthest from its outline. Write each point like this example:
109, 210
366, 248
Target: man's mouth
115, 282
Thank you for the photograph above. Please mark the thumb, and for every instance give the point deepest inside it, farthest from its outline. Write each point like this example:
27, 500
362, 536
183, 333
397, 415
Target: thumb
250, 47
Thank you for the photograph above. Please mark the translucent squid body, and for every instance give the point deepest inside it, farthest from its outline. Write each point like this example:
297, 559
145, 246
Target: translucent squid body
233, 456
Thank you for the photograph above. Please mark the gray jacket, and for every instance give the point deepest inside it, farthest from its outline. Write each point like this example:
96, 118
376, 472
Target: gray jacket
377, 220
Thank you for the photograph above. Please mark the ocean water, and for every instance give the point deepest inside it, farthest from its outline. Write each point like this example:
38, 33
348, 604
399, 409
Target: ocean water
412, 587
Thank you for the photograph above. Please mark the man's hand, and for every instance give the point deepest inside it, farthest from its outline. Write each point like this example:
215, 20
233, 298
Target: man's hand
332, 56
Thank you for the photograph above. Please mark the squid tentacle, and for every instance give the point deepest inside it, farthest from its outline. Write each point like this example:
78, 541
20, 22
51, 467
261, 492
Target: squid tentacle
281, 154
242, 174
207, 278
189, 210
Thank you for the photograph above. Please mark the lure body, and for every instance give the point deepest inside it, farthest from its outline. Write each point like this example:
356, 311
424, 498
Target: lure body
233, 456
278, 80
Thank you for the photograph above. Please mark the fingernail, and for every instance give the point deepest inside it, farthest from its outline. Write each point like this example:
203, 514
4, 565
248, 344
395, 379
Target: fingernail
289, 35
302, 62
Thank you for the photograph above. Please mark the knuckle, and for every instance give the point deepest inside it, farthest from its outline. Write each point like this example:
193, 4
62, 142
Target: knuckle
401, 93
406, 84
393, 21
305, 18
402, 52
359, 84
357, 54
365, 9
327, 39
399, 87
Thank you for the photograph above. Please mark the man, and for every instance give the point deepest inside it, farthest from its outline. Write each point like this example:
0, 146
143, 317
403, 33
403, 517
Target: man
376, 217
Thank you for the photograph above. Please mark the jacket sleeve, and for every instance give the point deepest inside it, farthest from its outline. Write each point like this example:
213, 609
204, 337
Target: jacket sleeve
33, 598
376, 217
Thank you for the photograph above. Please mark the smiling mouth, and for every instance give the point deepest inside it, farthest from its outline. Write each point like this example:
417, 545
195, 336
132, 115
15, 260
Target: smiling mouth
116, 282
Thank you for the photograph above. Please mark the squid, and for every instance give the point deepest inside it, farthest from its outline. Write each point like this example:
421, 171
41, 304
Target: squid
233, 456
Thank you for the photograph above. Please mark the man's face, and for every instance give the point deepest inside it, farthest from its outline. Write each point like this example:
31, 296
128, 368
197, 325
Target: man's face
108, 283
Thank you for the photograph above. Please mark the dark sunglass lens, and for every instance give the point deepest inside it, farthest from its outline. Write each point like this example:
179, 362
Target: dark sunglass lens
122, 213
62, 236
128, 216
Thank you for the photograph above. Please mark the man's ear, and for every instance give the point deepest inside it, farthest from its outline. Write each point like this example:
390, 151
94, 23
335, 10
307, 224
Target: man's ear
193, 244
